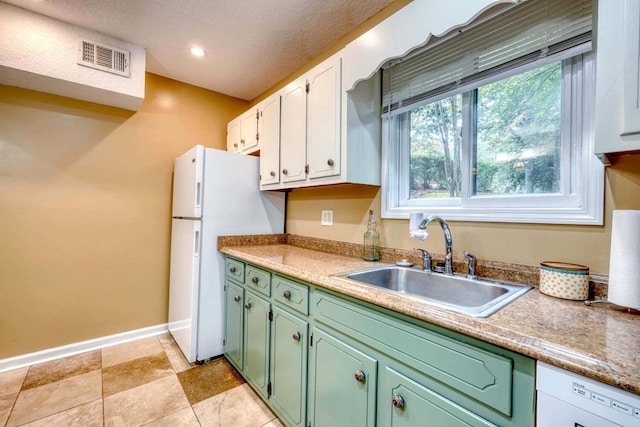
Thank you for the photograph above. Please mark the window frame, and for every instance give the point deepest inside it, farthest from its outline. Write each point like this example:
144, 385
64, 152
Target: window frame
583, 180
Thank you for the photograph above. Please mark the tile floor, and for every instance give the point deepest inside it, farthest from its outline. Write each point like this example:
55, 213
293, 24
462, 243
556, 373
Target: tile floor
146, 382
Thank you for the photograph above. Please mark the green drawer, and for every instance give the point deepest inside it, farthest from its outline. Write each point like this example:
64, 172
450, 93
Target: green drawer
475, 372
258, 280
291, 294
234, 270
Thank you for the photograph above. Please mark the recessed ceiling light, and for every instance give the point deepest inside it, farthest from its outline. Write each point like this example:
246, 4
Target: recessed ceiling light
197, 51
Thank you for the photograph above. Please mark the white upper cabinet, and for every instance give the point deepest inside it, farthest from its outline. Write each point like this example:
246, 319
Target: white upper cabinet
617, 122
242, 133
269, 140
293, 132
323, 120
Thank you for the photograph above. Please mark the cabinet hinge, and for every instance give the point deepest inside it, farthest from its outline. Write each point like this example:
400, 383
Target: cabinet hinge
269, 389
271, 315
258, 136
311, 340
257, 115
307, 87
306, 169
224, 341
225, 288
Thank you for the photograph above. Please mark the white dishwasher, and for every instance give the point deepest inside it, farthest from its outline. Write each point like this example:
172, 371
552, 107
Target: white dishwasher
565, 399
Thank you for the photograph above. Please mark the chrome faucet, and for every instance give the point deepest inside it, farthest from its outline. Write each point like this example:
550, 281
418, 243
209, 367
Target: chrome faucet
448, 266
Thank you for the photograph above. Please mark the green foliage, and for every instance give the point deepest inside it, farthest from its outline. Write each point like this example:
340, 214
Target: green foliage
517, 144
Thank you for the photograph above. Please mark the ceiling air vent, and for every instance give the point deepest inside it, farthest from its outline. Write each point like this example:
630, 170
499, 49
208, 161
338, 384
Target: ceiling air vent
103, 57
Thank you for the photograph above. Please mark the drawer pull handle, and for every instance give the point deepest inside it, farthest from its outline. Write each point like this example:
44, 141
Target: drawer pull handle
287, 294
296, 336
236, 298
254, 280
330, 162
397, 401
232, 269
247, 305
359, 376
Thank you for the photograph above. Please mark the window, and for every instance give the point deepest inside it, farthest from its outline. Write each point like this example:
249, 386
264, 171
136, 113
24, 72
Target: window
511, 142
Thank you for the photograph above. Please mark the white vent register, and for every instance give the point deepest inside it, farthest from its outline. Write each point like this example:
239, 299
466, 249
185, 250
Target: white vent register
103, 57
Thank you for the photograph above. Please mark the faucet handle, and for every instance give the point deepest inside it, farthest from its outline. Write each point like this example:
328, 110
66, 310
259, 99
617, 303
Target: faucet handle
471, 271
426, 258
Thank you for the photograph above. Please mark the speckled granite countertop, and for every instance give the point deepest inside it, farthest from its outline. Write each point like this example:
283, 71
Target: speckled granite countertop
600, 342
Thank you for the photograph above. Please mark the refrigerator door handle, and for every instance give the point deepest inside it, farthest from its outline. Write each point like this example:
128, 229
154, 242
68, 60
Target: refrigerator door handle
196, 243
198, 194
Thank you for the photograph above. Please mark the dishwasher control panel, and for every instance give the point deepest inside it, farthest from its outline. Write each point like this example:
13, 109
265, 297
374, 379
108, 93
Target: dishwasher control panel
610, 403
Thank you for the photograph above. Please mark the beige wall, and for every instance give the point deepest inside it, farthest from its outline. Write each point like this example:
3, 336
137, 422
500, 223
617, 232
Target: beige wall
517, 243
85, 199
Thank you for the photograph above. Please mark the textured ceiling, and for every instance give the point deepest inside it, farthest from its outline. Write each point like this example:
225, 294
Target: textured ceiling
250, 44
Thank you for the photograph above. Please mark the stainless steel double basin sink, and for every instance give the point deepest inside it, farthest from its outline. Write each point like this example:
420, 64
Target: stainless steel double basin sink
470, 296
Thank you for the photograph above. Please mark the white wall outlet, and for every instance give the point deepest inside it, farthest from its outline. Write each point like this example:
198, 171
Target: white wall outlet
327, 217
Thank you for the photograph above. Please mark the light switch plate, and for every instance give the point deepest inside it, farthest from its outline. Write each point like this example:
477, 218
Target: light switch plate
327, 217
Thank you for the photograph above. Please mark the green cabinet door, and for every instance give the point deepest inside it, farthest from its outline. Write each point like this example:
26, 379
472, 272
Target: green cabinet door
407, 403
233, 325
342, 388
256, 342
289, 366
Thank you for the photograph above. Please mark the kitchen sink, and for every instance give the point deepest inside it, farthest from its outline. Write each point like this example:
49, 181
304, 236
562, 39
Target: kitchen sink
471, 296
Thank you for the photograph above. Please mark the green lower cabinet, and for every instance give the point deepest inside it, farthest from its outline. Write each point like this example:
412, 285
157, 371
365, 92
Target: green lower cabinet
256, 342
233, 325
342, 384
407, 403
289, 343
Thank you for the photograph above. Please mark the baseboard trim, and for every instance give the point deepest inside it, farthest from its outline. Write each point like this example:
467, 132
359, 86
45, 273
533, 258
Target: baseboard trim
80, 347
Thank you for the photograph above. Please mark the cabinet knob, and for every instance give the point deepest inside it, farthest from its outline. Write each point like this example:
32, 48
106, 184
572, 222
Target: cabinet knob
242, 141
235, 145
359, 376
254, 280
232, 269
284, 171
247, 305
236, 298
330, 162
272, 173
286, 294
397, 401
296, 336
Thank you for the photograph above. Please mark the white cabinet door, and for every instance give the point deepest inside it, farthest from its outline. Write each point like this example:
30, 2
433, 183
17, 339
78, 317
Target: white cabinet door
293, 132
617, 121
323, 119
233, 135
269, 140
249, 131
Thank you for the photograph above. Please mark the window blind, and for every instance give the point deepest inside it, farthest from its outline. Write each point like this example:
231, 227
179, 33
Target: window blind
523, 33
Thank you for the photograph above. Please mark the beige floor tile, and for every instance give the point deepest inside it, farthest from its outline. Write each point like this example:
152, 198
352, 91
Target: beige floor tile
145, 403
11, 381
59, 396
129, 351
274, 423
238, 407
183, 418
59, 369
87, 415
6, 404
175, 355
134, 373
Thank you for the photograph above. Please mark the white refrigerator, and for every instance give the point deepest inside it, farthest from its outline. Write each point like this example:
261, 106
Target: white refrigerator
214, 193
